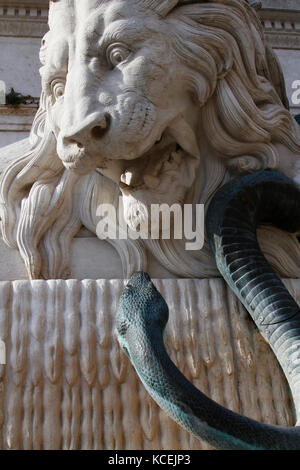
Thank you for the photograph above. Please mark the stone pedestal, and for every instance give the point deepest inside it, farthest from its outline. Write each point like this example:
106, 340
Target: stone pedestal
67, 385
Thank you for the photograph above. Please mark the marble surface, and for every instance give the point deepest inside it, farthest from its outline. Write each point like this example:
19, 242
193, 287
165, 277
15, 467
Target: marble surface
122, 123
67, 385
64, 383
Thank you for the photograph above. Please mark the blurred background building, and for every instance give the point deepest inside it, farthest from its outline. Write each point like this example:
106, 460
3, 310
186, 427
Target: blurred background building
24, 22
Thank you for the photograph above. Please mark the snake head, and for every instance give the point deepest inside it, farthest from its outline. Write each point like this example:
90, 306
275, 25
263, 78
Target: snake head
141, 307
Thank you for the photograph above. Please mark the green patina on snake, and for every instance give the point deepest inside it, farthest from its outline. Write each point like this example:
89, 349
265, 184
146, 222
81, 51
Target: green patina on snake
237, 209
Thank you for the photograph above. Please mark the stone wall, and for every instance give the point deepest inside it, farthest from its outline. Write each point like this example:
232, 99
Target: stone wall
22, 25
281, 21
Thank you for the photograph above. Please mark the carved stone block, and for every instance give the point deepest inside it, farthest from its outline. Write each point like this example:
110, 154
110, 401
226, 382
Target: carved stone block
67, 385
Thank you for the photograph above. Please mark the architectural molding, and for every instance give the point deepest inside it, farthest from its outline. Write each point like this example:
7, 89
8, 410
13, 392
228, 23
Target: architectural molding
25, 3
16, 119
22, 110
23, 21
282, 28
286, 5
281, 21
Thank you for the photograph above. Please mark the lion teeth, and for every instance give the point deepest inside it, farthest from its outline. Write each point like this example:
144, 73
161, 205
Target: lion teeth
151, 181
126, 178
125, 189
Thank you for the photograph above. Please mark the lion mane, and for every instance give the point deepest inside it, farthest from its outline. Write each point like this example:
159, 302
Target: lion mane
243, 116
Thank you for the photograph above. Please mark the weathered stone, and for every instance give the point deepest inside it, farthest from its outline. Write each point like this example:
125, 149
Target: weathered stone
164, 111
106, 132
66, 385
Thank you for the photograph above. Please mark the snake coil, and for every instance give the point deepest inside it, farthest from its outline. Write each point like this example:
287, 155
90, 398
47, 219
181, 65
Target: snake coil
265, 197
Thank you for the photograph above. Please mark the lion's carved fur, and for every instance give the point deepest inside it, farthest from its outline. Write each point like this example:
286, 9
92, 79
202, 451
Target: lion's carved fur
243, 125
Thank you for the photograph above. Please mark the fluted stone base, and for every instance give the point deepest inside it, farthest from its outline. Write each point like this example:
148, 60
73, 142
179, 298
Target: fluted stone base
67, 385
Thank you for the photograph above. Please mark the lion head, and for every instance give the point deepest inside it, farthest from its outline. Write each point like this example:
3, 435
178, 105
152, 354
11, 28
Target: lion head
162, 101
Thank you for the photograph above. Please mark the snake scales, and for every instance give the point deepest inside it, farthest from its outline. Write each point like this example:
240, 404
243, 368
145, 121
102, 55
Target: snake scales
236, 210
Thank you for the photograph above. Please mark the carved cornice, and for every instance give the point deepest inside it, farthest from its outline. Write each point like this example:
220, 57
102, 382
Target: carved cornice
282, 27
16, 118
23, 19
22, 110
28, 18
25, 3
279, 4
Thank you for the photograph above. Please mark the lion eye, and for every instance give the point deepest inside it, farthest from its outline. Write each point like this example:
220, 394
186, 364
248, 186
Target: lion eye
116, 54
57, 89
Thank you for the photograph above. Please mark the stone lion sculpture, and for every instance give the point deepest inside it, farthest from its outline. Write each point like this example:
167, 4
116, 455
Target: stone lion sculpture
161, 101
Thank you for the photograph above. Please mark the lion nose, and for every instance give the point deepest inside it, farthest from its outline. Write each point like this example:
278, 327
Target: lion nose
93, 129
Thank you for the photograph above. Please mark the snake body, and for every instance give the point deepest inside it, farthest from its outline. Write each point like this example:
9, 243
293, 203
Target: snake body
236, 210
